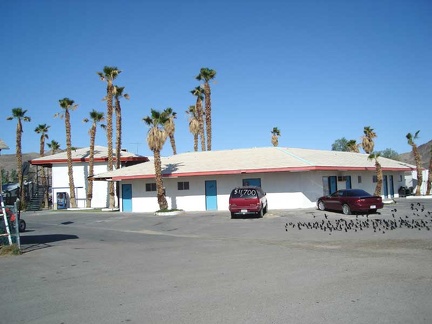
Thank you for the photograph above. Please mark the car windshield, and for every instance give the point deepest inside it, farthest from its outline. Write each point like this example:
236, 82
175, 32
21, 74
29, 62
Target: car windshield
244, 193
357, 193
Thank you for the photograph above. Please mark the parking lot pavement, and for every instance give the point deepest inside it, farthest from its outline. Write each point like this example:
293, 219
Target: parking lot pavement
204, 267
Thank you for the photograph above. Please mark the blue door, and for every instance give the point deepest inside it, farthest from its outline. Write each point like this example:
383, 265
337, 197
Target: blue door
348, 182
211, 195
126, 197
385, 186
332, 183
391, 187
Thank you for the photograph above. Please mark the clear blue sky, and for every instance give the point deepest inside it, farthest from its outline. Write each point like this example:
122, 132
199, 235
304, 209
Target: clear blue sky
317, 70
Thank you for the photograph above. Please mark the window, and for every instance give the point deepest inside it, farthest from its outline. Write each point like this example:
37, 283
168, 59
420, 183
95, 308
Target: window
359, 179
150, 186
251, 182
183, 185
374, 179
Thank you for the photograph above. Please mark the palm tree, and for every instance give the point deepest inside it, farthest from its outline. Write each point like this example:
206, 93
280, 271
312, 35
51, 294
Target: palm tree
199, 94
429, 181
43, 130
352, 146
368, 139
169, 127
118, 94
96, 117
379, 174
156, 138
194, 126
207, 74
275, 136
109, 74
68, 105
54, 146
20, 115
417, 159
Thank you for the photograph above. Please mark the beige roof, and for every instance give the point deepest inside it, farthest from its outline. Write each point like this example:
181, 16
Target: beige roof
83, 154
254, 160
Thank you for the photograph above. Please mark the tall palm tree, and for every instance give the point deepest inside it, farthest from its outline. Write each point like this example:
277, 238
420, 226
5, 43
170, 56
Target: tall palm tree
20, 115
54, 146
368, 139
43, 130
109, 74
96, 117
169, 127
206, 75
198, 92
352, 146
156, 138
194, 126
379, 174
118, 94
417, 159
429, 181
275, 136
68, 105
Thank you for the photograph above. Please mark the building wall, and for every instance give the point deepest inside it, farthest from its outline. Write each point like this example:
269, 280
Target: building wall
60, 183
285, 190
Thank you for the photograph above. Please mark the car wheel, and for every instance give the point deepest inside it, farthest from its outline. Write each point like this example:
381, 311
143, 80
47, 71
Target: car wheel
321, 205
346, 209
22, 225
261, 213
232, 215
266, 209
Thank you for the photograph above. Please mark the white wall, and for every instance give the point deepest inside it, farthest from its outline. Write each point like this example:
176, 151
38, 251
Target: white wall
285, 190
60, 183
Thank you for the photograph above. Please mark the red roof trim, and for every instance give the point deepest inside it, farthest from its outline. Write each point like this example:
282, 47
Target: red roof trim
87, 159
251, 171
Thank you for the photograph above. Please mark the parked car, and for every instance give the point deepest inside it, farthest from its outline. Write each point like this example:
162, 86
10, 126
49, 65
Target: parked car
248, 200
351, 200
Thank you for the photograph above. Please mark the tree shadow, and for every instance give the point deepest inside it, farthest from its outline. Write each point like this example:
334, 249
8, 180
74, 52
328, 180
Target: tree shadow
36, 242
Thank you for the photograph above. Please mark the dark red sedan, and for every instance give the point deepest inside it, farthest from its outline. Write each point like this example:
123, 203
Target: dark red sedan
351, 201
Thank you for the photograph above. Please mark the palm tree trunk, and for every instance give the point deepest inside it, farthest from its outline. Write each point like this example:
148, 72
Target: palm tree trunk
378, 187
195, 142
417, 158
207, 93
173, 144
91, 166
159, 182
69, 161
110, 142
19, 162
201, 124
118, 133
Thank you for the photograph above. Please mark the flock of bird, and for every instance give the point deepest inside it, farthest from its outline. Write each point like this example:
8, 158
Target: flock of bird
419, 220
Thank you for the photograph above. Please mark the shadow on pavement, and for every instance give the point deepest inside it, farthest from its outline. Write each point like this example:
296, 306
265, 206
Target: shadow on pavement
36, 242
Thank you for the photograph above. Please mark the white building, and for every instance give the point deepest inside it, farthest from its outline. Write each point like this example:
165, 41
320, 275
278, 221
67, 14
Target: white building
291, 177
80, 164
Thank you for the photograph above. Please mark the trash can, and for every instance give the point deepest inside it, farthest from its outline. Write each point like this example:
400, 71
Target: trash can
62, 200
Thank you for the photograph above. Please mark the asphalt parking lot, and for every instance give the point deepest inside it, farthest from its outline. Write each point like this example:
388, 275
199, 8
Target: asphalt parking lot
298, 266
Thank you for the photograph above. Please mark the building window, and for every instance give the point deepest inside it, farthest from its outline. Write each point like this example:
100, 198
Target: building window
150, 186
374, 179
183, 185
252, 182
359, 179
